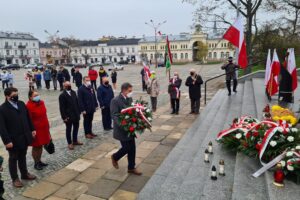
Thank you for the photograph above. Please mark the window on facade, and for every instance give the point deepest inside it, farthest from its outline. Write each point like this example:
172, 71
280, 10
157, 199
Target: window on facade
102, 49
27, 53
151, 56
16, 52
215, 54
17, 61
181, 56
43, 53
85, 51
222, 54
6, 43
7, 52
51, 53
21, 52
133, 50
33, 44
115, 50
55, 53
209, 54
227, 54
121, 50
26, 43
186, 56
127, 49
175, 55
15, 44
75, 50
95, 50
109, 50
34, 52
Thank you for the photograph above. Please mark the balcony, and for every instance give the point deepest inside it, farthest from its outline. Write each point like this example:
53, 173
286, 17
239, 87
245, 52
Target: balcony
121, 54
9, 57
7, 46
21, 46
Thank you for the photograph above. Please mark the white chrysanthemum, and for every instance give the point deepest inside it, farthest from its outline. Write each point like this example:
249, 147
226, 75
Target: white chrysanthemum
280, 129
298, 147
132, 104
289, 154
282, 163
273, 143
126, 117
148, 110
149, 118
238, 136
137, 110
290, 168
290, 139
294, 130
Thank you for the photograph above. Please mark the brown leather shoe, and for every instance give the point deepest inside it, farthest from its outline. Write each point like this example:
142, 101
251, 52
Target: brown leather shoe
89, 136
135, 172
71, 147
17, 183
114, 162
94, 135
77, 143
29, 177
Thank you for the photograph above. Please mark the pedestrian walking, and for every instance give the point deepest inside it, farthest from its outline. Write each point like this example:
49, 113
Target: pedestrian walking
60, 78
54, 77
102, 73
5, 79
93, 76
10, 79
113, 76
105, 94
47, 78
38, 115
16, 138
174, 92
30, 78
66, 74
194, 82
70, 114
88, 105
72, 74
38, 79
78, 78
144, 85
230, 70
153, 90
123, 100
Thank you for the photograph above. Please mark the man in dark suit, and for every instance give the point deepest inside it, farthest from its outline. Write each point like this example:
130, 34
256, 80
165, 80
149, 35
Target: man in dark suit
194, 82
17, 133
105, 94
70, 114
88, 105
128, 142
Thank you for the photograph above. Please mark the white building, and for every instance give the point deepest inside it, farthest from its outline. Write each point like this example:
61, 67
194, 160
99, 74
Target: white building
114, 50
18, 48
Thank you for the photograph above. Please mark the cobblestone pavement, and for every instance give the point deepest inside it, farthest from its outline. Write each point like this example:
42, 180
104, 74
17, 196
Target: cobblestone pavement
63, 156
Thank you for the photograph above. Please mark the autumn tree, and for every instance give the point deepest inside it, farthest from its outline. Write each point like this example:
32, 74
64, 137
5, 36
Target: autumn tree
202, 51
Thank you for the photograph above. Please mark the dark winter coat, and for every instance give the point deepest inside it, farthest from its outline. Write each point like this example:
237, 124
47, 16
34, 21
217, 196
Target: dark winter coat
66, 75
16, 125
87, 99
105, 94
194, 88
78, 79
230, 70
117, 104
174, 88
69, 107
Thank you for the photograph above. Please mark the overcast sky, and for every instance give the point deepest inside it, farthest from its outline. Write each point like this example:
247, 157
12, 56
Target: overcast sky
91, 19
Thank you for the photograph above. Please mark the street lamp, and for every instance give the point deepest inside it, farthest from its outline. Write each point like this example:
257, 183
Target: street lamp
155, 27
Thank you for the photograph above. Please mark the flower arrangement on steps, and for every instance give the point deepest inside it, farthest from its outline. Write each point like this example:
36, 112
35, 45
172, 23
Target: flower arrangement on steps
272, 138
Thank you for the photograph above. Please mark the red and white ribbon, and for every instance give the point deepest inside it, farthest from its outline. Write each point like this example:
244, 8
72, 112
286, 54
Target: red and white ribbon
139, 108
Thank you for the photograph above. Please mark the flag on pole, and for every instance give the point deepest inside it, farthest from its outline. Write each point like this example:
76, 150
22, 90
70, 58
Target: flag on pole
273, 83
147, 73
291, 67
235, 35
168, 55
268, 68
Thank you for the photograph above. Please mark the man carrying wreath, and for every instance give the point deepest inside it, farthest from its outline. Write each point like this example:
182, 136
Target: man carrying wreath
120, 102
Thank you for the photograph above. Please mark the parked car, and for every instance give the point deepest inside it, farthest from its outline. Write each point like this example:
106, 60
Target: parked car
80, 65
11, 67
160, 63
1, 65
123, 62
116, 66
69, 65
30, 66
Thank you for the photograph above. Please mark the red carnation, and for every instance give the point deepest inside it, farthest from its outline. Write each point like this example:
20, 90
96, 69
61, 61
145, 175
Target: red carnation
134, 120
255, 134
123, 122
258, 127
245, 144
129, 112
131, 129
248, 135
258, 146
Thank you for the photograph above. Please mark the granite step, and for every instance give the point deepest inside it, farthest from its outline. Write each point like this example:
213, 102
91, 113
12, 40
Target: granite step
259, 96
246, 186
222, 188
152, 188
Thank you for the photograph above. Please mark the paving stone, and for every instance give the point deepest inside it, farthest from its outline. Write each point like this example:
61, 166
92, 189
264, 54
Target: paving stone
134, 183
94, 154
147, 169
169, 142
104, 164
162, 132
80, 164
116, 174
155, 138
88, 197
55, 198
158, 154
143, 153
22, 198
175, 136
90, 175
72, 190
109, 154
149, 145
167, 127
41, 190
103, 188
63, 176
123, 195
106, 147
165, 116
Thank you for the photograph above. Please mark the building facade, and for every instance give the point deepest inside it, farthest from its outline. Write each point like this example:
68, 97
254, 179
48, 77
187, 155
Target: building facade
53, 53
18, 48
114, 50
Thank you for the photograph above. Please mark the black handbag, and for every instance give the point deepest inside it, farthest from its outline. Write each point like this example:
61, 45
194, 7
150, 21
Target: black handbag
50, 148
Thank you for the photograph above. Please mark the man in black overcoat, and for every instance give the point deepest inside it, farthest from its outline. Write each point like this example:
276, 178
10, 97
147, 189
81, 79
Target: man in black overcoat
194, 82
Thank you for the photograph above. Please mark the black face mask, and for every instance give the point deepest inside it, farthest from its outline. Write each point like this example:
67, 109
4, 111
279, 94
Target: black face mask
106, 82
14, 98
192, 73
68, 88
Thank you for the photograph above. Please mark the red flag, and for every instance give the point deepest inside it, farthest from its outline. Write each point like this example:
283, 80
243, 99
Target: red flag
159, 33
291, 67
147, 72
273, 82
235, 35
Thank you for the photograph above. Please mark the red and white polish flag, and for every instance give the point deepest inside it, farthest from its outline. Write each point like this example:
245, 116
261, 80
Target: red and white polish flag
235, 35
147, 72
291, 67
268, 68
273, 83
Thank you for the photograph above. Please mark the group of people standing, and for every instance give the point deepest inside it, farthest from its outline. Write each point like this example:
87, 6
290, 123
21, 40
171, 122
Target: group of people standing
7, 79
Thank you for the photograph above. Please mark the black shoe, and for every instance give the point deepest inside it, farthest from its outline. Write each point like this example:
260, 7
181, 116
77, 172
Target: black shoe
229, 94
177, 113
172, 113
234, 91
43, 164
192, 112
38, 166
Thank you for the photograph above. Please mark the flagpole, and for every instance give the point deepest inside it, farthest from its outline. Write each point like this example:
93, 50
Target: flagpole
238, 4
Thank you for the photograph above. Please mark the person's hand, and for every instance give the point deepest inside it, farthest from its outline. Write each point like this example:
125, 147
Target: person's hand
9, 145
66, 120
33, 134
84, 112
102, 107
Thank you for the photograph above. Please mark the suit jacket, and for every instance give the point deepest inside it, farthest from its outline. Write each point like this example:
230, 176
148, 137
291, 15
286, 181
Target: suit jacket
87, 99
69, 107
16, 125
117, 104
194, 89
105, 94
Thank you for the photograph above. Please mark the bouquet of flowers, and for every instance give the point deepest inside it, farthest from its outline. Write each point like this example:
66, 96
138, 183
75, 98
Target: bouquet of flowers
279, 113
136, 118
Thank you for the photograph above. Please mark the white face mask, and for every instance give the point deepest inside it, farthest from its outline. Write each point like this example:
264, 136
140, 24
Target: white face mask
88, 83
129, 95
